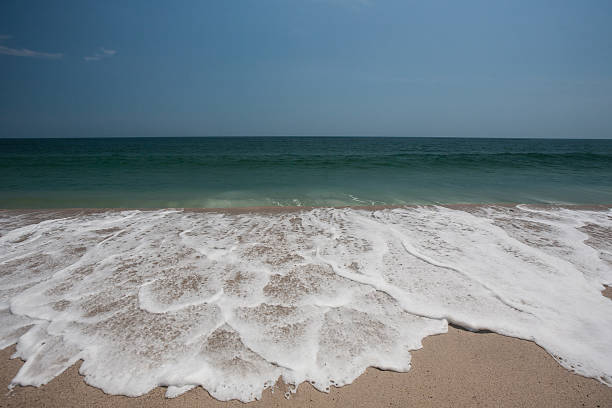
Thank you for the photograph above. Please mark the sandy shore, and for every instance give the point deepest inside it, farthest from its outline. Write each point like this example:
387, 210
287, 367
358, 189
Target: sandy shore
49, 213
457, 369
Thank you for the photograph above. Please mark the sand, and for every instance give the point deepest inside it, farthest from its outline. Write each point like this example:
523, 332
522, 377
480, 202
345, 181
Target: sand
46, 213
457, 369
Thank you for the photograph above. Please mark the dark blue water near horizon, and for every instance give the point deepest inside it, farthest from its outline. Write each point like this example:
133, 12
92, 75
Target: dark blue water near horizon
322, 171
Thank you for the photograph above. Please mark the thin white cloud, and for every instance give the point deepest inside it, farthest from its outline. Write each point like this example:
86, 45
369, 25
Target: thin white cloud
24, 52
101, 54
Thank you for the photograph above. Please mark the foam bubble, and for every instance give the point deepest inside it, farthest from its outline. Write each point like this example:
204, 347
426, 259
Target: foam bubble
232, 302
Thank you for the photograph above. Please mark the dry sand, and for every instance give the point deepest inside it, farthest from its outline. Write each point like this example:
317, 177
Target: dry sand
457, 369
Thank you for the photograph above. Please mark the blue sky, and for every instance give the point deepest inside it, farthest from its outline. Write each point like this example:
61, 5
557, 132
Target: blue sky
306, 67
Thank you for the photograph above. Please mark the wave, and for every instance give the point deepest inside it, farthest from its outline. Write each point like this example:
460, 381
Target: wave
232, 302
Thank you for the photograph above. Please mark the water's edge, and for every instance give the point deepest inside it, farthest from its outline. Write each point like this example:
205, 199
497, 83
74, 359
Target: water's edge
231, 299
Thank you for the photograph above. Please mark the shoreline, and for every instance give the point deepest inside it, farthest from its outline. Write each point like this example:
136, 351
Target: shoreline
286, 209
459, 369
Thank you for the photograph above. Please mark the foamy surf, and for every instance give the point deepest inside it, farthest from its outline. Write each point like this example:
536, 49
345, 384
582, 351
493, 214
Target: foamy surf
232, 302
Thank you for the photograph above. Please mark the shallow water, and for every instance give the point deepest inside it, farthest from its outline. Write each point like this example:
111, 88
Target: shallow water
231, 302
251, 171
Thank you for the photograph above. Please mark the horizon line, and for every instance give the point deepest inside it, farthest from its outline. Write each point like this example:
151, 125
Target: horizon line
306, 136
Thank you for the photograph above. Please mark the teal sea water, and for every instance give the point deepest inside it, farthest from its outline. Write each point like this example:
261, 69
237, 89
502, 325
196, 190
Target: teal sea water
258, 171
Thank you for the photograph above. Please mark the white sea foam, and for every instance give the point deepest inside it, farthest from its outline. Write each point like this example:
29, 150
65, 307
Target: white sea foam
232, 302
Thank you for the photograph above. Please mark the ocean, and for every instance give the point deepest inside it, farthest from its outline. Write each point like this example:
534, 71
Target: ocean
219, 172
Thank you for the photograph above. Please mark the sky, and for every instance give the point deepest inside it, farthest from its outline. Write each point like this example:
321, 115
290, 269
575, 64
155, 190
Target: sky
116, 68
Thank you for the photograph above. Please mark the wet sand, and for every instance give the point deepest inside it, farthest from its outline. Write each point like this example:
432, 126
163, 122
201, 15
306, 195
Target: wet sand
457, 369
281, 209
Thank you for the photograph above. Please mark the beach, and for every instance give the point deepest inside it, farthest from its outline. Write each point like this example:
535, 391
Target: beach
143, 286
458, 369
320, 203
